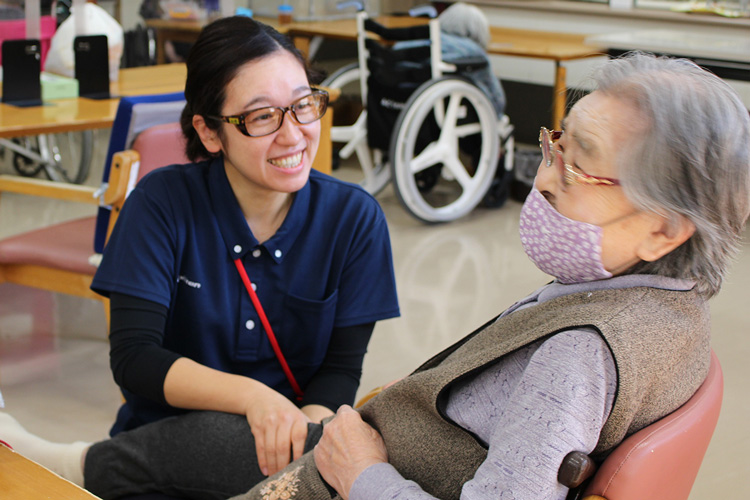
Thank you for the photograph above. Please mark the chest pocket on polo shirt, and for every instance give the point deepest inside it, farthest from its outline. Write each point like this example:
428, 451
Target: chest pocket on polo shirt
308, 324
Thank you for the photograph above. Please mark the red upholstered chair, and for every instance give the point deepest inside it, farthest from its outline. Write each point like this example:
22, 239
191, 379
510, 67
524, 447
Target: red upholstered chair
661, 461
60, 257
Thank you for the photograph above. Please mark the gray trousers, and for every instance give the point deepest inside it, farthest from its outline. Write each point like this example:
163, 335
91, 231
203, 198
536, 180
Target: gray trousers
199, 455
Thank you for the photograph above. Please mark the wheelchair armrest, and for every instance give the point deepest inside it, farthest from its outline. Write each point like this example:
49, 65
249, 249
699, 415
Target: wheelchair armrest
469, 63
416, 32
575, 468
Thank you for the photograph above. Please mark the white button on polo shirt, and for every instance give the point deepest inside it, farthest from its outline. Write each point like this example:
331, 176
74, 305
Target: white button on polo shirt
250, 324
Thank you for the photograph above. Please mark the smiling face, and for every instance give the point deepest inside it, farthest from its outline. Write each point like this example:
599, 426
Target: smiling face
278, 163
596, 132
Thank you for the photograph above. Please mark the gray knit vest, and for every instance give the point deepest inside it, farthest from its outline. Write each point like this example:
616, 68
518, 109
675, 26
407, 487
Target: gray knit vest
659, 340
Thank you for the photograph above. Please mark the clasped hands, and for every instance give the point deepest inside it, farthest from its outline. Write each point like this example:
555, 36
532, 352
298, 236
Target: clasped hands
348, 446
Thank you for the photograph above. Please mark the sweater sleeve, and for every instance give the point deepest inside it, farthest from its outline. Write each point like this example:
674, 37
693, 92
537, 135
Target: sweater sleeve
337, 379
138, 361
531, 409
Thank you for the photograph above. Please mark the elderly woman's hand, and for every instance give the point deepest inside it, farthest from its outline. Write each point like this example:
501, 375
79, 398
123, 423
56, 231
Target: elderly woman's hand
348, 447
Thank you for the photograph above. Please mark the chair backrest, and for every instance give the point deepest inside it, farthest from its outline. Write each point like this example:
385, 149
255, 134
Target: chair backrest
155, 147
134, 115
159, 146
662, 460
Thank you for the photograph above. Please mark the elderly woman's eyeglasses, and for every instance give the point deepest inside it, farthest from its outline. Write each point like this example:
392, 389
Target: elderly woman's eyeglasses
265, 121
568, 176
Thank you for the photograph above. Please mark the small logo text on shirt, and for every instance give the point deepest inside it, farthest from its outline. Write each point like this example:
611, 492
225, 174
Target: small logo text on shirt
193, 284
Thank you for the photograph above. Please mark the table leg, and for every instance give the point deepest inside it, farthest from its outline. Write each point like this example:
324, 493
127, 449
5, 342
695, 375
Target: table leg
559, 97
160, 57
303, 44
322, 160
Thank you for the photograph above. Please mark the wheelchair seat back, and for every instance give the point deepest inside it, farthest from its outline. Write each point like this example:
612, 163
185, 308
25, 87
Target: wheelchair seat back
397, 66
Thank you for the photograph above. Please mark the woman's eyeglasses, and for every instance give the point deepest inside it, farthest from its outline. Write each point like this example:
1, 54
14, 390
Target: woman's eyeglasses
568, 176
264, 121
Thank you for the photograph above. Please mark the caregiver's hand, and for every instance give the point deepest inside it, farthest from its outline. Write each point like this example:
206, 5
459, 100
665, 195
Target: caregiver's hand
348, 447
278, 427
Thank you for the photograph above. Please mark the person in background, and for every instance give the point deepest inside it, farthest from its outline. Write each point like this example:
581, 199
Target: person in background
174, 51
465, 33
638, 207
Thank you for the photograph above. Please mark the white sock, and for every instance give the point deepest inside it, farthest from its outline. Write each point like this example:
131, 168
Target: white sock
64, 459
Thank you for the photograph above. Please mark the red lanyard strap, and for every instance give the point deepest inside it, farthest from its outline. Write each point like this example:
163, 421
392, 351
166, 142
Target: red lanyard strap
269, 331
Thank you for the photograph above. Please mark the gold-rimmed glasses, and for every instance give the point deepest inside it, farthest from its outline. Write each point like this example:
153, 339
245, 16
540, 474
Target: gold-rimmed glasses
265, 121
568, 176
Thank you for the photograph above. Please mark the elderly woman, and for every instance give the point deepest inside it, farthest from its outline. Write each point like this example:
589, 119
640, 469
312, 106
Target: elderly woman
636, 210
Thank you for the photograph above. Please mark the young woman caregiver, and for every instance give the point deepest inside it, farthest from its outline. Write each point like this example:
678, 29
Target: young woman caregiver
214, 262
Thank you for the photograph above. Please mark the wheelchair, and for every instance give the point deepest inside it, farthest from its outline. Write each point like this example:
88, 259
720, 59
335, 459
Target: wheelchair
424, 124
62, 157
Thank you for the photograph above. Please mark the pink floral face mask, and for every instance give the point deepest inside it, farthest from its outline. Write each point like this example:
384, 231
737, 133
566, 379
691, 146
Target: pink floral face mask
569, 250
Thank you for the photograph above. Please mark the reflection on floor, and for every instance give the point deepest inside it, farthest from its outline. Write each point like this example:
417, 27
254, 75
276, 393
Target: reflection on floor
54, 369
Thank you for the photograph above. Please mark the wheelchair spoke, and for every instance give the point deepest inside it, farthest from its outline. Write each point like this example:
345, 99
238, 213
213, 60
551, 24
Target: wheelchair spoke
448, 122
374, 173
365, 161
433, 154
353, 135
468, 129
459, 173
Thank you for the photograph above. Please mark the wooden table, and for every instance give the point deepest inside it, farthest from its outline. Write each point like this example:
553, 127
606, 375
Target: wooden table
81, 113
186, 31
557, 47
553, 46
22, 479
302, 32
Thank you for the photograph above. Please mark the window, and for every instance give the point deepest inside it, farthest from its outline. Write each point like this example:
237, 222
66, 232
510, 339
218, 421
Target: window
726, 8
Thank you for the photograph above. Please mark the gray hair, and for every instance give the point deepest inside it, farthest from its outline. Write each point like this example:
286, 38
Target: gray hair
693, 160
466, 20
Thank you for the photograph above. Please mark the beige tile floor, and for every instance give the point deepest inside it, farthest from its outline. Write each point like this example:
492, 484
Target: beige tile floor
451, 278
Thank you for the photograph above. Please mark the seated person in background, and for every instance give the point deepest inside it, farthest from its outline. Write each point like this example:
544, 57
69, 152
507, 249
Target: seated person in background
174, 51
465, 32
636, 211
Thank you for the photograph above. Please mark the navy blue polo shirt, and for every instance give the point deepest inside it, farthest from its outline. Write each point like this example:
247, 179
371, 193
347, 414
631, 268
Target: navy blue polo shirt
329, 265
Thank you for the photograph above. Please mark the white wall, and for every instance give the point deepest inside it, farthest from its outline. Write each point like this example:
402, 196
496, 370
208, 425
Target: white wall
542, 72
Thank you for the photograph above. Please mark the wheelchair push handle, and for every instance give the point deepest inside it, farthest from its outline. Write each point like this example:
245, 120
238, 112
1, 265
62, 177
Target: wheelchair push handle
421, 31
423, 11
360, 6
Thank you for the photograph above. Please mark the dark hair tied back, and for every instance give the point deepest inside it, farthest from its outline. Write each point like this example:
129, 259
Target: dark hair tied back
222, 48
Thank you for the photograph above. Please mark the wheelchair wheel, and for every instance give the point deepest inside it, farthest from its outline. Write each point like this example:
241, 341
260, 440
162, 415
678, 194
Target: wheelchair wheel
444, 150
349, 133
64, 157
